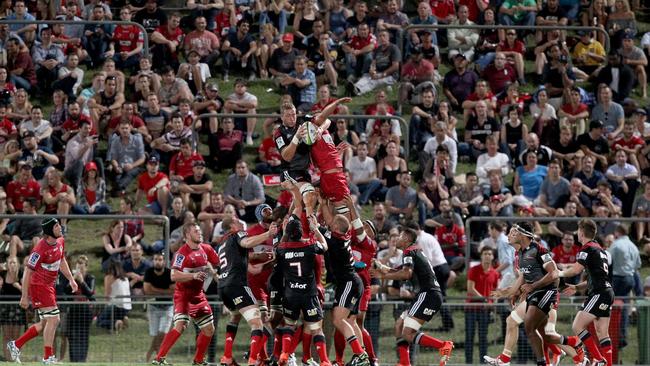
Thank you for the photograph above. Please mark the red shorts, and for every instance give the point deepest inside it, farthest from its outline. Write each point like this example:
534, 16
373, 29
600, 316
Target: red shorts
365, 299
42, 296
258, 285
334, 186
196, 306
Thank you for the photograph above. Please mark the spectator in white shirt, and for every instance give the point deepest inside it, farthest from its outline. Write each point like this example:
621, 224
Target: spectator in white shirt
363, 173
441, 138
491, 160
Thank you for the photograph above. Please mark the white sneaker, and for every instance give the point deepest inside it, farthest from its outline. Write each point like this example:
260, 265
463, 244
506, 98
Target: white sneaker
14, 351
249, 140
292, 360
51, 361
495, 361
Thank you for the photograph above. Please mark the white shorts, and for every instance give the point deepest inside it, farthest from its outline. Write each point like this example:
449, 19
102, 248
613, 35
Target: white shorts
160, 319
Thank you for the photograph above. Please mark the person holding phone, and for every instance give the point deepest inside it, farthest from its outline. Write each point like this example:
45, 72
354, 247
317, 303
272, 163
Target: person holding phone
79, 152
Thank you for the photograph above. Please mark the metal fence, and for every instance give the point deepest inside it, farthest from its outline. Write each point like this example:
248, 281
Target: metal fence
79, 329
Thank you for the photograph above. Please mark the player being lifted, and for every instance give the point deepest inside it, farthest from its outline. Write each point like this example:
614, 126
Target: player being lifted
296, 260
537, 282
41, 272
233, 284
515, 319
192, 264
425, 305
600, 296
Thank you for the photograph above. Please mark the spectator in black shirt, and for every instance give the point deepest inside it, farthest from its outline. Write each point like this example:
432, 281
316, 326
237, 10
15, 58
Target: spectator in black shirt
158, 282
238, 47
565, 149
479, 126
593, 143
134, 268
282, 59
151, 16
557, 76
197, 187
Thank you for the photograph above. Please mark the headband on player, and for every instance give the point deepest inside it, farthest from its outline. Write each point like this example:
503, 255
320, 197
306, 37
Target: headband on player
523, 231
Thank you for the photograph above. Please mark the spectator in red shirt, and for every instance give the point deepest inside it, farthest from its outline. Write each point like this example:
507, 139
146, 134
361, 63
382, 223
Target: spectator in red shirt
70, 127
25, 186
167, 40
500, 74
180, 166
20, 65
58, 197
127, 43
212, 214
482, 279
483, 93
206, 43
417, 75
565, 255
358, 52
155, 186
574, 113
270, 158
514, 49
451, 236
630, 143
8, 130
226, 146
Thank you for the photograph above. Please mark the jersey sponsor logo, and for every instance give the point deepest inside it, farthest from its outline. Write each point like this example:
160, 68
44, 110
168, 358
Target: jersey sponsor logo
238, 300
280, 142
407, 261
298, 286
427, 311
547, 258
312, 312
178, 261
223, 275
582, 256
54, 267
603, 306
290, 255
328, 139
242, 234
33, 259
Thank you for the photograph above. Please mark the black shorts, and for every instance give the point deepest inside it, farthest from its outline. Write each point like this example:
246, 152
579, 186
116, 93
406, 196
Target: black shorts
543, 299
599, 304
298, 175
348, 294
425, 305
295, 304
275, 292
237, 297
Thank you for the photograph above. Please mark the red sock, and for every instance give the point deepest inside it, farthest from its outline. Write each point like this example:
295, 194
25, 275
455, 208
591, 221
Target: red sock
306, 346
263, 355
170, 338
547, 357
504, 358
355, 345
30, 333
367, 343
572, 341
277, 343
287, 339
555, 349
47, 352
339, 345
321, 348
428, 341
590, 343
256, 345
297, 337
202, 343
403, 351
606, 350
231, 333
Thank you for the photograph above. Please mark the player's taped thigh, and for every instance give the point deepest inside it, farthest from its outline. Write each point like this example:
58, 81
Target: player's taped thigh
51, 313
178, 317
516, 317
412, 323
342, 210
250, 314
306, 189
290, 322
313, 326
204, 321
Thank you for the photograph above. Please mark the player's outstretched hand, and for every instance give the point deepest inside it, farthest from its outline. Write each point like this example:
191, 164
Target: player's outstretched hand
74, 286
273, 229
201, 276
313, 223
570, 290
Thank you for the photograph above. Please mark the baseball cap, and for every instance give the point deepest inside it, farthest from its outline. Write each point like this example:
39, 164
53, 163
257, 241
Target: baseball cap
26, 164
459, 54
417, 50
641, 111
583, 32
152, 160
212, 87
27, 134
198, 163
628, 35
287, 37
91, 166
193, 51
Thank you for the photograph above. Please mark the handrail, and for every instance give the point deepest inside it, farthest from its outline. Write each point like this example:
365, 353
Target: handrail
405, 126
165, 219
400, 42
145, 48
544, 219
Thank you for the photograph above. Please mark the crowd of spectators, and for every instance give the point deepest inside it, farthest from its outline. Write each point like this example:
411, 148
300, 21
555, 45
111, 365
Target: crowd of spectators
122, 123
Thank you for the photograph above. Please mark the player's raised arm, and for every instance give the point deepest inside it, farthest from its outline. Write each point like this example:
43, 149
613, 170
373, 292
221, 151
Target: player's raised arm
314, 227
329, 109
253, 241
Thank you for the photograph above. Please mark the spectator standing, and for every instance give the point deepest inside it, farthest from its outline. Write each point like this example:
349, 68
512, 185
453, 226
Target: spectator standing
482, 279
12, 316
116, 288
79, 315
117, 244
158, 283
245, 191
625, 263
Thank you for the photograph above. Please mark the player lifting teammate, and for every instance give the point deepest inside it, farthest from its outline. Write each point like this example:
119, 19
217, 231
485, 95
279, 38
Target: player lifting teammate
296, 260
600, 296
425, 304
41, 272
192, 264
233, 284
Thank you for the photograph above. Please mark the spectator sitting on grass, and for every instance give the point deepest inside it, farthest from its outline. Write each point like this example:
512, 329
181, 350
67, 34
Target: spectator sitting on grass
91, 193
25, 233
117, 244
126, 156
196, 188
134, 267
154, 185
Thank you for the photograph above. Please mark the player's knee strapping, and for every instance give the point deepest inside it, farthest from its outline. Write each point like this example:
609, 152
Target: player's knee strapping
412, 323
204, 321
52, 313
306, 189
181, 318
313, 326
516, 317
251, 314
